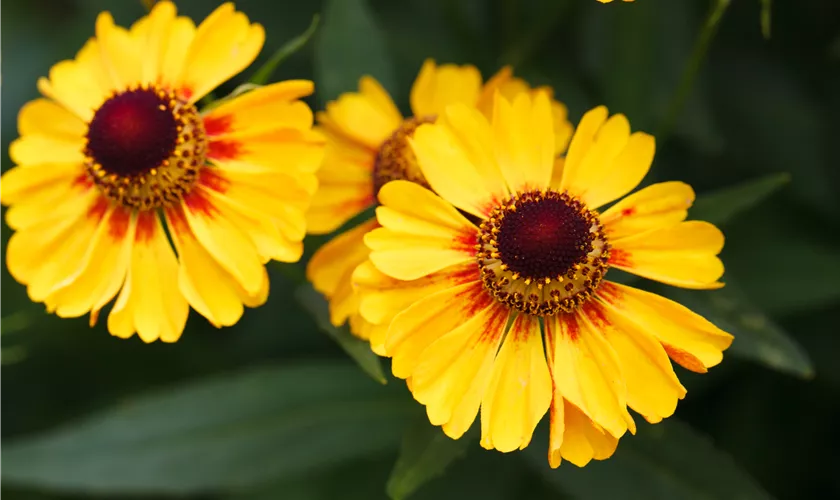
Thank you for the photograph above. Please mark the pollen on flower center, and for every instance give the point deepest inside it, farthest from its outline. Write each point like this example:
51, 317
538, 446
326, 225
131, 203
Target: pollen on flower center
145, 147
542, 252
396, 160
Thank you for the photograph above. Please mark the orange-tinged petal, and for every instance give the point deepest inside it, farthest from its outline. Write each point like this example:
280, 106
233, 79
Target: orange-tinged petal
675, 326
368, 116
101, 272
523, 136
121, 54
456, 158
652, 386
520, 389
150, 302
659, 205
436, 87
224, 44
208, 288
270, 107
47, 118
421, 233
583, 440
453, 372
288, 150
586, 371
682, 255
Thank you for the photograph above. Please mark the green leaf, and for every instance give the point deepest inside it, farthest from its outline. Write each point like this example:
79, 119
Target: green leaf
349, 46
262, 75
425, 453
720, 206
757, 337
664, 461
232, 431
357, 348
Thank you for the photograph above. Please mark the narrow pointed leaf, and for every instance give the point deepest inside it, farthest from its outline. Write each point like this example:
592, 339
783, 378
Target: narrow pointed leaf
719, 207
263, 75
357, 348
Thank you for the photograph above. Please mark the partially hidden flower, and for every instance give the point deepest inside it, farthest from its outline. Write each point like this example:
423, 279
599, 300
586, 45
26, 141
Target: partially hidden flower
117, 154
493, 290
368, 146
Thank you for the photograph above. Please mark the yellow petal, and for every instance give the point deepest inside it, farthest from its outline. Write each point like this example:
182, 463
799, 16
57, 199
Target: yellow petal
658, 205
331, 268
80, 86
287, 150
652, 386
454, 371
174, 54
584, 440
20, 184
150, 302
456, 157
273, 106
586, 371
422, 233
523, 135
208, 288
520, 390
229, 245
676, 327
682, 255
154, 39
121, 55
102, 270
557, 427
368, 116
45, 117
436, 87
416, 327
605, 162
224, 44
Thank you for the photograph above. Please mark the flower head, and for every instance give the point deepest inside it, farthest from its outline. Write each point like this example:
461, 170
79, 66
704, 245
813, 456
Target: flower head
368, 146
492, 288
118, 146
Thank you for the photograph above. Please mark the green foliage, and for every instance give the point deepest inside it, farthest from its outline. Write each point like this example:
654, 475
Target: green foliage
262, 75
720, 206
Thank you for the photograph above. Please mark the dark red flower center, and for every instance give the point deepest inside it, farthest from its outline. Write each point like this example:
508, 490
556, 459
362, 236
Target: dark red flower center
544, 237
133, 132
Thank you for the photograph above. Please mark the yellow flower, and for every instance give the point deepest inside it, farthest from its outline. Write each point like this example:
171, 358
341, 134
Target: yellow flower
608, 1
469, 281
118, 143
367, 147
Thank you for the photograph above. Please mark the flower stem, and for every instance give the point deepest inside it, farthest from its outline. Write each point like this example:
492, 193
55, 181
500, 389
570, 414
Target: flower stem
701, 46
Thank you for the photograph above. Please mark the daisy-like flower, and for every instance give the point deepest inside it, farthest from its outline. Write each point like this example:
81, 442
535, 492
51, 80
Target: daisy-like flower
511, 314
118, 146
367, 147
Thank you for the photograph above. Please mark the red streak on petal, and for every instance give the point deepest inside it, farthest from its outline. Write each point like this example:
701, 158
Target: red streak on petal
490, 204
146, 227
466, 241
82, 180
684, 359
224, 150
214, 179
198, 202
609, 293
98, 209
475, 299
118, 223
572, 328
465, 274
596, 314
218, 125
185, 93
628, 211
619, 257
496, 324
178, 220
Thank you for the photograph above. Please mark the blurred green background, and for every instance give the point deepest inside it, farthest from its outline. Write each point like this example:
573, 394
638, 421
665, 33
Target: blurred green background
275, 408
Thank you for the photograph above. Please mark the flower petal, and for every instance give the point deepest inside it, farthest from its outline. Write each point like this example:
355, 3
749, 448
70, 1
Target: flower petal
454, 371
689, 339
224, 44
288, 150
45, 117
652, 386
683, 255
520, 390
658, 205
368, 117
270, 107
81, 85
523, 136
456, 157
150, 302
421, 233
153, 40
586, 371
121, 54
583, 440
176, 47
436, 87
20, 184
